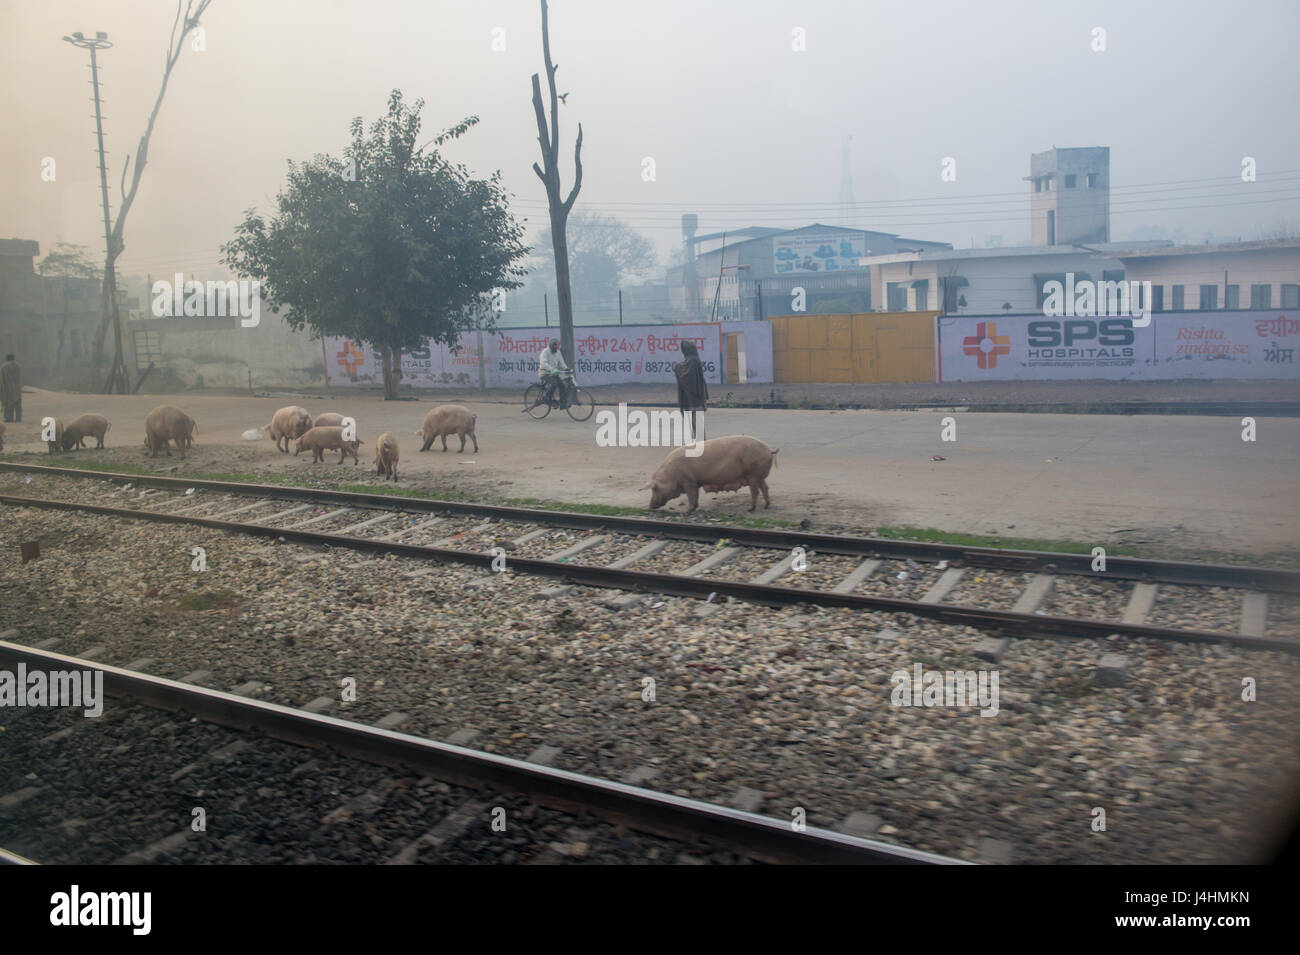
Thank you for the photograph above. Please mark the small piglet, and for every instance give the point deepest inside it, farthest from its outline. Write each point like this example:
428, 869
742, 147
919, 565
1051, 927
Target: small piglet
386, 455
449, 419
82, 427
320, 440
724, 464
287, 424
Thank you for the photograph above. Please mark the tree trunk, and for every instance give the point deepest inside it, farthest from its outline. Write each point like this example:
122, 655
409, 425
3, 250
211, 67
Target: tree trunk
391, 359
563, 291
549, 174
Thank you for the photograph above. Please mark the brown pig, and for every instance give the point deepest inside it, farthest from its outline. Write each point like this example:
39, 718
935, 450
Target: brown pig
724, 464
320, 440
167, 422
82, 427
57, 443
289, 423
330, 419
386, 455
449, 419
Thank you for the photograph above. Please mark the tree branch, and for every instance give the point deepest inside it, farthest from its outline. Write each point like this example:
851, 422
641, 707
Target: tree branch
547, 155
550, 79
577, 175
174, 47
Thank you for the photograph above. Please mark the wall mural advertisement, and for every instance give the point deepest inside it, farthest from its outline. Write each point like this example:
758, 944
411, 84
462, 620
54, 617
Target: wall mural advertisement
1253, 344
807, 254
606, 355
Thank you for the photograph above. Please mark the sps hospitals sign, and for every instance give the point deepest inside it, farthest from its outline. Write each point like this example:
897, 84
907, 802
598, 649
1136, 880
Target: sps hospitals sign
1174, 345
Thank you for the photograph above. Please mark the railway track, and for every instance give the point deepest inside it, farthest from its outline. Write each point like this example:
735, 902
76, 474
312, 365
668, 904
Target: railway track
645, 555
240, 762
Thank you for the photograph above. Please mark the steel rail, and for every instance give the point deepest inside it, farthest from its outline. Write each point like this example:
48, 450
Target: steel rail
1030, 625
1272, 579
761, 837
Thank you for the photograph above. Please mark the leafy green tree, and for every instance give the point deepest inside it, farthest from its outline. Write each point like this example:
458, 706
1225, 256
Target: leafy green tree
391, 244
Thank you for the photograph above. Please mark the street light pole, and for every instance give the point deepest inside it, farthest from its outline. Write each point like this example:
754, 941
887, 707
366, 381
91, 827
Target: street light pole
101, 42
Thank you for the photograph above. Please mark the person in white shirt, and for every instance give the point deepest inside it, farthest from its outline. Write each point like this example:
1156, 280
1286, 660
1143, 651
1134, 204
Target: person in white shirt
550, 368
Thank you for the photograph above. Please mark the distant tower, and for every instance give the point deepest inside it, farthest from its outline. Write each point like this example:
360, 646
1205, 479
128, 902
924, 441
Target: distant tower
690, 280
1069, 196
846, 183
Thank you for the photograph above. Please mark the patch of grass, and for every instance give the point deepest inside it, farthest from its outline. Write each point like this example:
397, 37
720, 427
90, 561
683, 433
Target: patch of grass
932, 535
903, 533
62, 462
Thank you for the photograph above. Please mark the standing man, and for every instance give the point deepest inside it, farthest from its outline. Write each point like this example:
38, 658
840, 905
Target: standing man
550, 368
692, 390
11, 389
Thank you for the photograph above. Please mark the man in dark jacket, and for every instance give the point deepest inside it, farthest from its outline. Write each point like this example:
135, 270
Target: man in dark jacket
11, 389
692, 390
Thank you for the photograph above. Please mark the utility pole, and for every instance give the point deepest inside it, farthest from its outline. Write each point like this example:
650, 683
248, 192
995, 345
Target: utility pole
109, 300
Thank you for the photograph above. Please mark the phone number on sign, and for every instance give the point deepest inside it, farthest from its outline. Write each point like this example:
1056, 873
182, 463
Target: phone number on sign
655, 367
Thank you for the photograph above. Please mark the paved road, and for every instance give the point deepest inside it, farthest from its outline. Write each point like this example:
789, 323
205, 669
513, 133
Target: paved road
1190, 482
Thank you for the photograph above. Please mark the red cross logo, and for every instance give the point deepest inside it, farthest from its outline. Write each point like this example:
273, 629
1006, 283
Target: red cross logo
350, 357
987, 345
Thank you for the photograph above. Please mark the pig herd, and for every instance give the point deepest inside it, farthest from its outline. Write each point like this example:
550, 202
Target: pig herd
332, 431
721, 464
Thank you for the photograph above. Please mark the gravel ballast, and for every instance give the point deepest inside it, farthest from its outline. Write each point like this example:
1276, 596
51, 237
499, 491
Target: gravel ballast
794, 703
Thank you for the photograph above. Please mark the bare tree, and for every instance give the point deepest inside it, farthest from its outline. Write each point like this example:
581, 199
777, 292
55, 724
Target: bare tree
193, 10
550, 176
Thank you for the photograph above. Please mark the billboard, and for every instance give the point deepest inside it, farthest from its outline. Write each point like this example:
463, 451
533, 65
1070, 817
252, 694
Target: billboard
606, 355
818, 254
1182, 345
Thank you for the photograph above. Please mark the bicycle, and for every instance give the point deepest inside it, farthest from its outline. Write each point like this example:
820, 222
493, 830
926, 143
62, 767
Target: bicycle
580, 406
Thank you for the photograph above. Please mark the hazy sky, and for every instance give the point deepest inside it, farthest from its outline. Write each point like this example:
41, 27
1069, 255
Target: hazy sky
743, 129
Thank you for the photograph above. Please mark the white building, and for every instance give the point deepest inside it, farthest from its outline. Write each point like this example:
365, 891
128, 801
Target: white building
1241, 275
988, 281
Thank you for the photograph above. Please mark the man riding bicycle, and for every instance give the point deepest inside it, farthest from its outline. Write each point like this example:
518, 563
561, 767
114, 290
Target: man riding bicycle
551, 368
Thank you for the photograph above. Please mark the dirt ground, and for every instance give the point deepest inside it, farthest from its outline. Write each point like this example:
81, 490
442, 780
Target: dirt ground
1176, 484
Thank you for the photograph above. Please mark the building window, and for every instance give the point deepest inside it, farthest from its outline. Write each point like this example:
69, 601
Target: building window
1051, 227
1177, 296
1261, 296
1157, 298
922, 294
896, 297
1069, 180
1091, 180
950, 292
1049, 183
1232, 297
1209, 298
1291, 296
1038, 185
